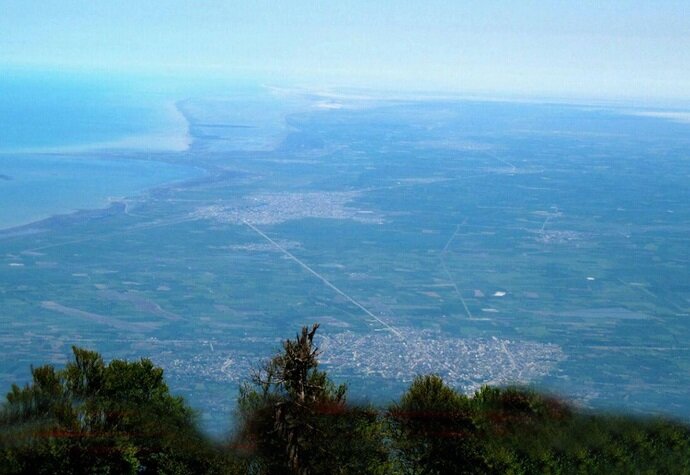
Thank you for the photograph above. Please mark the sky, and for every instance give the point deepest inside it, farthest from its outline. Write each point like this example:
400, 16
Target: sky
599, 49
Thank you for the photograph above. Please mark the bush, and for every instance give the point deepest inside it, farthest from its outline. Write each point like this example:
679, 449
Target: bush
93, 417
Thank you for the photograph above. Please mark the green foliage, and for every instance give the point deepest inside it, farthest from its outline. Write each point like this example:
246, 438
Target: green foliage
295, 420
93, 417
567, 441
517, 431
433, 430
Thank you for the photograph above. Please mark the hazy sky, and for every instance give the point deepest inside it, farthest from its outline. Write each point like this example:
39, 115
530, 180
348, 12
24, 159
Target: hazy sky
637, 48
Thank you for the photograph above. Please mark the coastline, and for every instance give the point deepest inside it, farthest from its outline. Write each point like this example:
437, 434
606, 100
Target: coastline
174, 136
43, 224
113, 206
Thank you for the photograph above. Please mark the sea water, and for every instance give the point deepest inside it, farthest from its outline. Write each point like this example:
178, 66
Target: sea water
55, 129
47, 111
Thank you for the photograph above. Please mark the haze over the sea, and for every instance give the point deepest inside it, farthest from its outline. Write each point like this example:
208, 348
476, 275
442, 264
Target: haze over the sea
43, 110
586, 49
56, 131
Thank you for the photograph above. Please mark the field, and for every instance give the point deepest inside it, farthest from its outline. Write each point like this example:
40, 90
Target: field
540, 244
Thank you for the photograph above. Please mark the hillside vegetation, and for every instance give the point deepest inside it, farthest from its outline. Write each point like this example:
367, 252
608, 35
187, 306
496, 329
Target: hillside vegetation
93, 417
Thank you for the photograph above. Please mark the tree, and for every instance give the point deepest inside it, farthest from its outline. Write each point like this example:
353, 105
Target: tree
295, 420
433, 430
93, 417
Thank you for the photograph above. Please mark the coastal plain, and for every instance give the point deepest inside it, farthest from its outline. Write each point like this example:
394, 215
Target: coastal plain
488, 242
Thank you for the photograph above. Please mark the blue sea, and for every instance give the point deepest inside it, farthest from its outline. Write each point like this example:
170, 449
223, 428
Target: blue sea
59, 137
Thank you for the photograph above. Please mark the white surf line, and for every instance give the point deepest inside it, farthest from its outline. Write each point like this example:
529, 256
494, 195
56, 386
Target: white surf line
444, 251
323, 279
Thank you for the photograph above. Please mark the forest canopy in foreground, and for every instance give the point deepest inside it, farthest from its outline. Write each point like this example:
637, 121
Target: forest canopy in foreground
120, 418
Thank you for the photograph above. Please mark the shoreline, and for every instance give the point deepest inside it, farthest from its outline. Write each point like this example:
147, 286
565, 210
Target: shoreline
112, 204
175, 137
